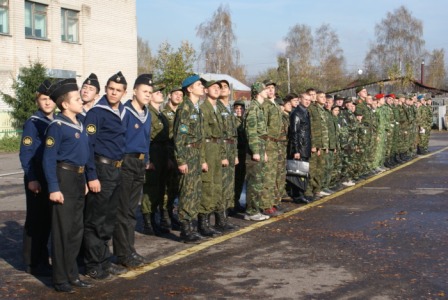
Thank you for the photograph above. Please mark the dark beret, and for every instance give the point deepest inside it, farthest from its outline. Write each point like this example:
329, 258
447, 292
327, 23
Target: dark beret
62, 87
118, 78
44, 87
93, 80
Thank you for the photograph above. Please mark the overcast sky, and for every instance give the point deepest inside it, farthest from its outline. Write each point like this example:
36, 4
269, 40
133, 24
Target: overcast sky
261, 25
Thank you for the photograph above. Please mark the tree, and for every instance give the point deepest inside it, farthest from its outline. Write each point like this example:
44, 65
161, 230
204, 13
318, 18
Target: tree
25, 87
145, 60
217, 47
399, 42
171, 66
436, 73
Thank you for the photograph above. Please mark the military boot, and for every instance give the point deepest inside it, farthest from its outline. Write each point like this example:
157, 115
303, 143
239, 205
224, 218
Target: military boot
203, 226
187, 235
221, 222
165, 224
398, 159
147, 226
175, 223
158, 231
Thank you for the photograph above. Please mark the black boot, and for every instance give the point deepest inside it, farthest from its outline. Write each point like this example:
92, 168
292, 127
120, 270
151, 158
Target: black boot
165, 223
188, 235
214, 230
158, 231
147, 226
175, 223
398, 159
203, 226
221, 222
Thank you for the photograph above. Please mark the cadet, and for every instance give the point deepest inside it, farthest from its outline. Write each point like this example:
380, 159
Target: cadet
175, 97
216, 158
231, 152
271, 196
156, 175
189, 153
38, 212
89, 92
107, 146
347, 142
65, 155
240, 168
137, 122
256, 132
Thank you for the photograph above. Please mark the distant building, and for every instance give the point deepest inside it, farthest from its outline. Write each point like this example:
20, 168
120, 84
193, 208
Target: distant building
72, 38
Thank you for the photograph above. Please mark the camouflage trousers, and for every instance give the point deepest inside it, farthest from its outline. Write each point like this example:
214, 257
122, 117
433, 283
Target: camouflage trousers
380, 150
336, 172
317, 163
228, 177
190, 187
212, 181
348, 157
328, 168
254, 182
155, 180
271, 176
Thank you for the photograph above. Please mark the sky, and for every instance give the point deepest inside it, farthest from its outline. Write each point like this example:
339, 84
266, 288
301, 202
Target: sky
261, 25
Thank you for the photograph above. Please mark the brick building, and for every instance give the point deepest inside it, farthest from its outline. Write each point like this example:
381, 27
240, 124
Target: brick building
72, 38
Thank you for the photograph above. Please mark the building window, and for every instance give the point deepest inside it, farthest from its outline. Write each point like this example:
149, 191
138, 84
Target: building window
35, 20
69, 25
4, 22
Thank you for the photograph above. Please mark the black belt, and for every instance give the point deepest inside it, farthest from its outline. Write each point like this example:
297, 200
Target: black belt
69, 167
140, 156
213, 140
108, 161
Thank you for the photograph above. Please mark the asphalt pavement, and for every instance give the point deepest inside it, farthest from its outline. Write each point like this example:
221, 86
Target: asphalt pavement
385, 238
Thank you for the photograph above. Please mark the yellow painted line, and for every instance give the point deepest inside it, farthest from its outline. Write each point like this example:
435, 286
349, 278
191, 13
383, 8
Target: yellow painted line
197, 248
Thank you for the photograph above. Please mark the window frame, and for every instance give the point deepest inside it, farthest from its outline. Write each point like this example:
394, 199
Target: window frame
33, 13
5, 6
65, 18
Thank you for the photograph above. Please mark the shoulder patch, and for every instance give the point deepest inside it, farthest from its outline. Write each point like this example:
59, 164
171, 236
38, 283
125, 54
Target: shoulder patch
50, 142
183, 128
91, 129
27, 141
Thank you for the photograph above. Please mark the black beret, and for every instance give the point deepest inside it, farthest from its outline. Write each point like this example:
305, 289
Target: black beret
143, 79
118, 78
93, 80
62, 87
44, 87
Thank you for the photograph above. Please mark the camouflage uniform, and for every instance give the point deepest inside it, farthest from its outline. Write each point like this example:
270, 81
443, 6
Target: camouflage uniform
274, 124
347, 142
189, 149
214, 153
256, 131
402, 146
333, 145
319, 140
383, 117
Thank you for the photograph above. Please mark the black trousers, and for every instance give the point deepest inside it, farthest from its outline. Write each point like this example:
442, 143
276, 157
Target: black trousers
37, 228
100, 217
67, 226
130, 191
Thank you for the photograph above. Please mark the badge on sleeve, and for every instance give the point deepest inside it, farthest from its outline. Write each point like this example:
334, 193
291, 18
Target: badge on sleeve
27, 141
91, 129
49, 142
183, 128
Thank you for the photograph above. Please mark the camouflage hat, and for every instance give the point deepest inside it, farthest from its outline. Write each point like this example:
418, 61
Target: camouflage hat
358, 111
224, 80
269, 82
257, 88
175, 89
401, 96
239, 102
359, 88
209, 83
158, 87
348, 100
338, 97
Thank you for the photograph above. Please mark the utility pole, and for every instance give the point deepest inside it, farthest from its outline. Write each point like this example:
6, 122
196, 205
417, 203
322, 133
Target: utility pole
289, 77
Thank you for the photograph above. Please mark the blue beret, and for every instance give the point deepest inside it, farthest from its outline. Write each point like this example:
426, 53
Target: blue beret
190, 80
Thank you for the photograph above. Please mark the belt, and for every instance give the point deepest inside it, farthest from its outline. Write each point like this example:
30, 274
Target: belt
193, 145
69, 167
228, 141
108, 161
213, 140
140, 156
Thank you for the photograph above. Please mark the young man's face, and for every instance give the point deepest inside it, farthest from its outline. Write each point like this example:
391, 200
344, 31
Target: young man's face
270, 91
369, 100
239, 110
359, 118
225, 90
320, 98
196, 89
73, 103
157, 97
350, 106
329, 103
176, 97
363, 94
88, 93
288, 105
114, 92
313, 95
305, 101
294, 102
142, 93
264, 93
335, 111
45, 104
213, 91
339, 102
